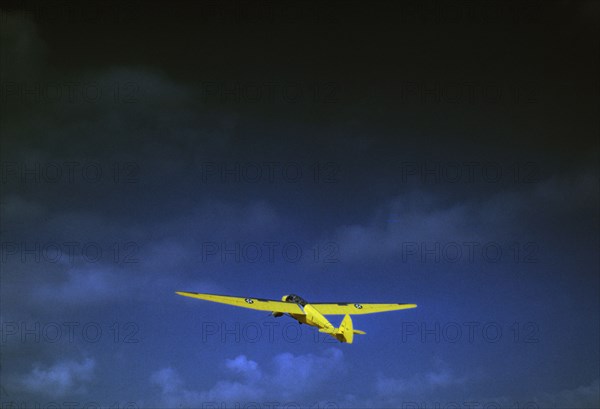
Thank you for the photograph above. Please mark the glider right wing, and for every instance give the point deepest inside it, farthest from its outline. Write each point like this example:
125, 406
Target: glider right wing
358, 308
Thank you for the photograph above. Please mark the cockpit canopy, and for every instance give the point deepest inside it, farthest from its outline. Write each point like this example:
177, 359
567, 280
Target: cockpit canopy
293, 298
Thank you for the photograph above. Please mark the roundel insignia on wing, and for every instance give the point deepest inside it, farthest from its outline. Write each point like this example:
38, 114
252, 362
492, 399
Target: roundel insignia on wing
249, 301
358, 306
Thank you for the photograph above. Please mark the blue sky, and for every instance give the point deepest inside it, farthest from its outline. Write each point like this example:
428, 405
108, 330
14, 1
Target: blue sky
231, 164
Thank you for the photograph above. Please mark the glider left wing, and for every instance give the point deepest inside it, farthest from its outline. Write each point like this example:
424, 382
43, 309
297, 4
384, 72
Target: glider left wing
260, 304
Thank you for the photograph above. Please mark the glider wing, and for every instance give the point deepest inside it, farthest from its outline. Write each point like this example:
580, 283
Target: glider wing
260, 304
358, 308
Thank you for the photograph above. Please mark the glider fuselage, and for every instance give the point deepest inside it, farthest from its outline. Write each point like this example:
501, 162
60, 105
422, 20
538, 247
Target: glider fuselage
314, 318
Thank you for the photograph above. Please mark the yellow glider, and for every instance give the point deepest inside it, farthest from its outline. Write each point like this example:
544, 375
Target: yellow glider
307, 313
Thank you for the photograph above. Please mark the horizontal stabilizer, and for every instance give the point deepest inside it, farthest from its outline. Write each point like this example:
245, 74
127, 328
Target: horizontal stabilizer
337, 331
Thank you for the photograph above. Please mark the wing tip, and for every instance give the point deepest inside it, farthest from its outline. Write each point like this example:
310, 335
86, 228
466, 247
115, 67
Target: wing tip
185, 293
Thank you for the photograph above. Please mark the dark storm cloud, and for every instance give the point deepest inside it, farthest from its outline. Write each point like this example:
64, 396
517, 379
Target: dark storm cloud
509, 214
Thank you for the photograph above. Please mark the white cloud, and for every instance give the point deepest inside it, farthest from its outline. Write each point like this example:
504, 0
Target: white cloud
303, 379
243, 366
167, 379
62, 378
288, 378
294, 375
584, 396
418, 385
83, 285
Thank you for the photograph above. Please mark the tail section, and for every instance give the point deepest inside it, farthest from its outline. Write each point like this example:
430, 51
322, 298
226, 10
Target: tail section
345, 332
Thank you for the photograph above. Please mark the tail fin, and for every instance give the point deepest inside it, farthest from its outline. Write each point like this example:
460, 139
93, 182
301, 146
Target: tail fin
345, 333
